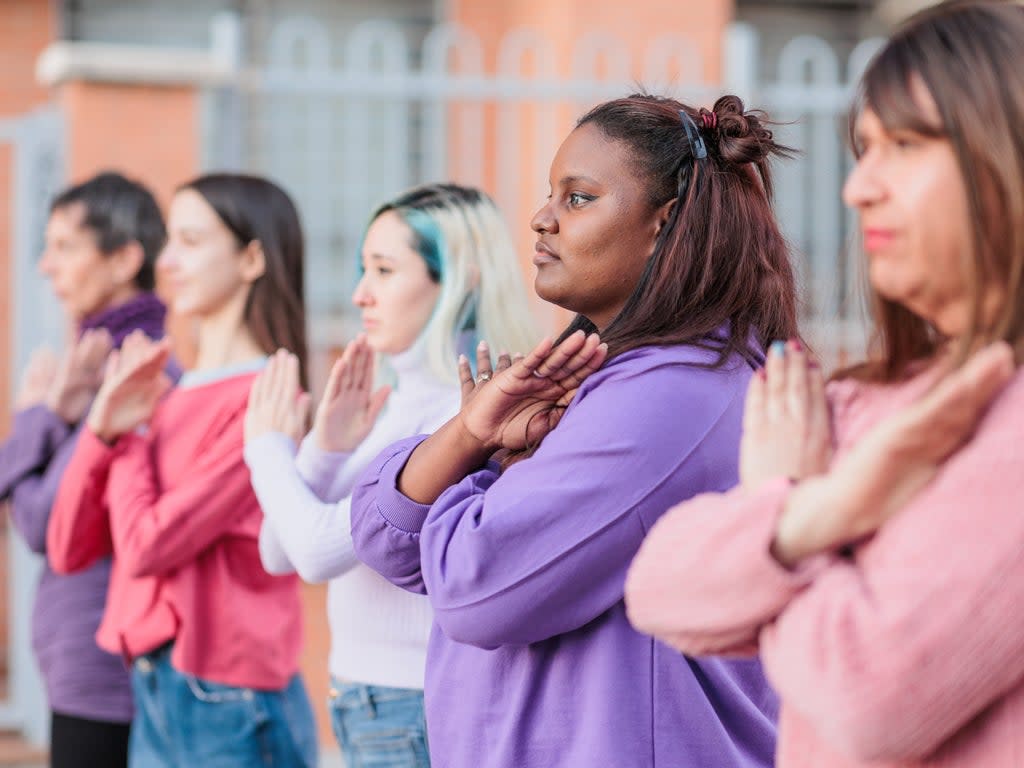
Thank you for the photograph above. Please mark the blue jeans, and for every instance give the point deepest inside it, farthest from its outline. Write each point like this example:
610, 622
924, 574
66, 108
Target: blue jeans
378, 727
184, 722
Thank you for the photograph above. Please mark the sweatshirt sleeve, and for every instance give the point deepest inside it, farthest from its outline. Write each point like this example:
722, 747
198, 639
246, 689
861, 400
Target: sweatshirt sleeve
78, 533
543, 549
322, 471
386, 523
314, 535
717, 604
36, 434
157, 530
31, 464
890, 654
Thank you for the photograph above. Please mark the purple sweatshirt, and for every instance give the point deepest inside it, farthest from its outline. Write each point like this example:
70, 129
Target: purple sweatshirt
81, 680
532, 662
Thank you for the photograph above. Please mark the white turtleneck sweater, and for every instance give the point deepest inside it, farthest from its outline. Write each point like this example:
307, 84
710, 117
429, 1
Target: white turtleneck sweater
378, 631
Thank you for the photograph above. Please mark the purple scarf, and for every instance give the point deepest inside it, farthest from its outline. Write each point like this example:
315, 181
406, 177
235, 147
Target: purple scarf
144, 311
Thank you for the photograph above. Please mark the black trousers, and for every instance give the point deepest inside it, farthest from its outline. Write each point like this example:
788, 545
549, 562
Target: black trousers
76, 742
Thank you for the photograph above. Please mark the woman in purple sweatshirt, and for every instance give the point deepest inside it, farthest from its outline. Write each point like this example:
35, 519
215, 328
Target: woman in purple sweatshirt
659, 234
102, 240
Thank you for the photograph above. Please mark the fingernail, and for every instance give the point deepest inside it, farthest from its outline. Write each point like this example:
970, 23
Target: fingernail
778, 348
796, 345
762, 374
463, 360
482, 344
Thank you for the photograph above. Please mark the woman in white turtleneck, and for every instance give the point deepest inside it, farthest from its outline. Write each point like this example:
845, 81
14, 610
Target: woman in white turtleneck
439, 272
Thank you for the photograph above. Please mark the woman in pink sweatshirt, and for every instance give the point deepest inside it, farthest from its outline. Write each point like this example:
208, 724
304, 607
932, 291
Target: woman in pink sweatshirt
874, 548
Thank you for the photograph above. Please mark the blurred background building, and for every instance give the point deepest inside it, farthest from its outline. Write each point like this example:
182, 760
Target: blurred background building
346, 102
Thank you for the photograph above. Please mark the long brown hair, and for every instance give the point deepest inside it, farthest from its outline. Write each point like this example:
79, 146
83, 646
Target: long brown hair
970, 57
255, 209
720, 261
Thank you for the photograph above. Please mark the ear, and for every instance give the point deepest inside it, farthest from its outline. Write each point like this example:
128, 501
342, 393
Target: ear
253, 262
663, 213
126, 262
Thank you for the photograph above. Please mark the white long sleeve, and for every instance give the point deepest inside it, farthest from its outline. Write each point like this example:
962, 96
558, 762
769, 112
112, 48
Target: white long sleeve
378, 631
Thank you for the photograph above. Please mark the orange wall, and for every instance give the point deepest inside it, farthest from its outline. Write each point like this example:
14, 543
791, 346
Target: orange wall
150, 133
636, 25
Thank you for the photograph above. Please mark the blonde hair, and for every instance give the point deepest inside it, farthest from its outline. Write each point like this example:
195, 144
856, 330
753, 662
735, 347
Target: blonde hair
462, 237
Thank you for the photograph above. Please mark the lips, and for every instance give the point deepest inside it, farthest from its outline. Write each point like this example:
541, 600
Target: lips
875, 239
544, 255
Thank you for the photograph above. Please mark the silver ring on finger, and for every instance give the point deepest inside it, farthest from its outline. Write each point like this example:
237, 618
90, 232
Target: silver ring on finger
483, 377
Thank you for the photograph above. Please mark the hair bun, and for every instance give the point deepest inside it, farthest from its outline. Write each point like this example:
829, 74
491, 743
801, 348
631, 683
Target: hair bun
741, 136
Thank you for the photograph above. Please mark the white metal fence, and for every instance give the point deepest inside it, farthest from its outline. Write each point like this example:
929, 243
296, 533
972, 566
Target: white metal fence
36, 141
346, 123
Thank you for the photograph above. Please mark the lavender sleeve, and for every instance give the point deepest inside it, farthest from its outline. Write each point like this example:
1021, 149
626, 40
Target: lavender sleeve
32, 461
385, 523
544, 548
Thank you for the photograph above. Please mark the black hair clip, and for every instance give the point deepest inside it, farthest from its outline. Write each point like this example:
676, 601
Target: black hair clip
693, 135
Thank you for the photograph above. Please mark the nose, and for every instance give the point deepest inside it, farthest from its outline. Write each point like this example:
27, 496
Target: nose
864, 186
167, 260
544, 220
362, 296
46, 264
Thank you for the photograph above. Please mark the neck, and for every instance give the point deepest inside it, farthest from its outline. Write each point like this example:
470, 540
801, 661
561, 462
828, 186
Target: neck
224, 339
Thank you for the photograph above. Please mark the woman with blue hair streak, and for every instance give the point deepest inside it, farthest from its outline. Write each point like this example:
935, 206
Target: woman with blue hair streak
439, 273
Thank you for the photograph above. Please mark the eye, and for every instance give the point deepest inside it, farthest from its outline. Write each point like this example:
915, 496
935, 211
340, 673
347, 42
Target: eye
579, 199
906, 140
383, 271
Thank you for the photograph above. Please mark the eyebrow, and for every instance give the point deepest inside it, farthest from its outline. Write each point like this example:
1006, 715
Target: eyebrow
570, 180
379, 257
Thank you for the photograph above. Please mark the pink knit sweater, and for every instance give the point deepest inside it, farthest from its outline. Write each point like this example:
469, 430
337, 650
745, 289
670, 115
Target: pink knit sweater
909, 653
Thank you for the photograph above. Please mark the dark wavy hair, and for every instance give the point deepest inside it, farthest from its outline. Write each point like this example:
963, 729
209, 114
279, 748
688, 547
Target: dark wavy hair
255, 209
720, 275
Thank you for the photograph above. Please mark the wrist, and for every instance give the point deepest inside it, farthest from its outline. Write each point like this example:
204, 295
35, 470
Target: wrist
808, 524
99, 425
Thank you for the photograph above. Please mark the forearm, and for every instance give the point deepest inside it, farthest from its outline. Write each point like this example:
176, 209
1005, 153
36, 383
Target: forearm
314, 535
825, 513
35, 436
441, 461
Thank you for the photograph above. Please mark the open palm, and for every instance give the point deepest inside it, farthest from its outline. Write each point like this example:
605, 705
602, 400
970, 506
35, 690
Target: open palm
133, 383
350, 406
515, 406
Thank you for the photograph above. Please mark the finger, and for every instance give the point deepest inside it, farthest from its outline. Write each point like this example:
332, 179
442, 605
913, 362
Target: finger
466, 383
592, 364
504, 361
369, 368
333, 385
302, 409
775, 384
561, 354
517, 357
537, 355
797, 402
578, 360
819, 422
484, 370
110, 370
346, 378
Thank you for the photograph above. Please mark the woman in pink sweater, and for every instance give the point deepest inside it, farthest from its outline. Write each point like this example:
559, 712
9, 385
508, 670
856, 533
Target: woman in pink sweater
158, 480
874, 548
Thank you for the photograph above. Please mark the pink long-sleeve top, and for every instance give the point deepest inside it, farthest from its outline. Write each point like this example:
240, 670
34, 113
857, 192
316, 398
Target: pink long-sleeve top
176, 509
909, 652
